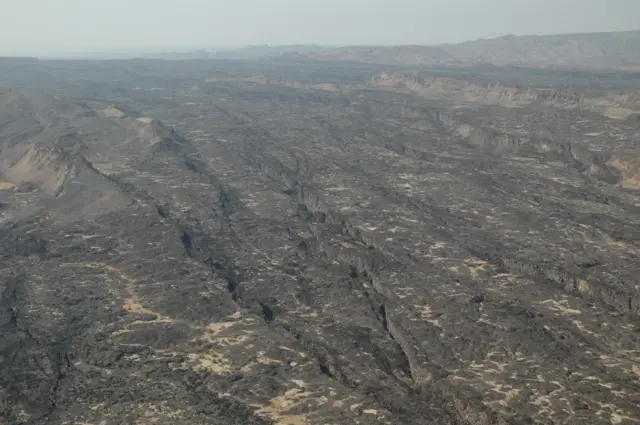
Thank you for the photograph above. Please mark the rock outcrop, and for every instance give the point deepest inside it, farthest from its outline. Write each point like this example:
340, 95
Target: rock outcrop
455, 90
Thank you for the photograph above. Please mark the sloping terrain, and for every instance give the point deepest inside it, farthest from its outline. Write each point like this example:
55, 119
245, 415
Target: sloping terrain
609, 49
460, 91
598, 50
254, 251
41, 150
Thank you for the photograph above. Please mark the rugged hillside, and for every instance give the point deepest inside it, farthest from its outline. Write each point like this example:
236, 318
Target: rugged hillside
456, 90
616, 49
59, 148
618, 166
142, 134
599, 50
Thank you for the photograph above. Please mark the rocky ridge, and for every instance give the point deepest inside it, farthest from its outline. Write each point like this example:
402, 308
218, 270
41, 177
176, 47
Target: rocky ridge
595, 50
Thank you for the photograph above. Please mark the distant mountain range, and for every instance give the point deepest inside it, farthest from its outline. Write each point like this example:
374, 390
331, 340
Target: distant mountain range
619, 50
238, 53
610, 50
258, 52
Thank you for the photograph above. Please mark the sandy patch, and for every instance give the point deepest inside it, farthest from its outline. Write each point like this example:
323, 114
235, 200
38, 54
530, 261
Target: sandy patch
132, 304
617, 113
428, 316
214, 362
561, 306
617, 418
278, 407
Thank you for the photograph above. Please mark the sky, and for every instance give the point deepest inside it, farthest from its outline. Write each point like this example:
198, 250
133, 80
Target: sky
53, 27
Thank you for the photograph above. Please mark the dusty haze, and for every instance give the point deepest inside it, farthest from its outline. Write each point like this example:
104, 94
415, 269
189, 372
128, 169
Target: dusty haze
42, 27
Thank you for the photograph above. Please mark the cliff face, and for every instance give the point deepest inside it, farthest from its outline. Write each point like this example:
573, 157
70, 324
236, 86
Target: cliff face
36, 146
457, 90
496, 93
48, 168
42, 147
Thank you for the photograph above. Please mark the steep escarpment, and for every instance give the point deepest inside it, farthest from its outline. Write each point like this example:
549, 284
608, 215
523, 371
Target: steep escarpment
46, 145
74, 185
46, 167
596, 164
496, 93
455, 90
600, 162
39, 149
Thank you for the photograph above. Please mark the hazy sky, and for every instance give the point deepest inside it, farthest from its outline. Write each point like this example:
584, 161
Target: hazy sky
66, 26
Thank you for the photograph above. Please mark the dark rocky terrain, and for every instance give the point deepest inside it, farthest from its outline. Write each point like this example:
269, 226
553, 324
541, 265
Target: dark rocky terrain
295, 242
